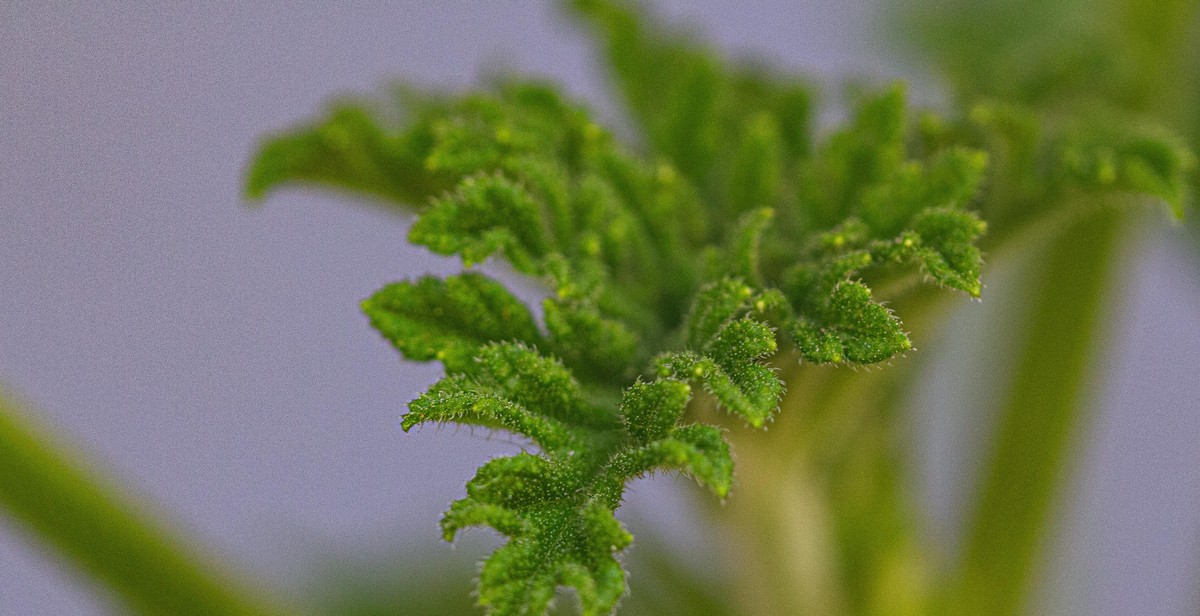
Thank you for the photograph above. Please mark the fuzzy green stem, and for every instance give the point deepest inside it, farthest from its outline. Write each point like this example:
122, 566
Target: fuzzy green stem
100, 532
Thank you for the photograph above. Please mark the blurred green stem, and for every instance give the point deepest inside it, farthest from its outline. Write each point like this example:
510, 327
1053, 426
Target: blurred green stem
821, 508
101, 533
1038, 421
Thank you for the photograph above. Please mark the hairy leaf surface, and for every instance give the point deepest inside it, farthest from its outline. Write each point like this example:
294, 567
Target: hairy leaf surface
726, 235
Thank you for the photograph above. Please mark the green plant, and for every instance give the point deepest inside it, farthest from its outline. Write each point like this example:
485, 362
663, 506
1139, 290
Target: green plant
736, 259
660, 310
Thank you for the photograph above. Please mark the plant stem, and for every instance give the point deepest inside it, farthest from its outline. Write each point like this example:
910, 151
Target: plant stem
1043, 411
822, 507
105, 535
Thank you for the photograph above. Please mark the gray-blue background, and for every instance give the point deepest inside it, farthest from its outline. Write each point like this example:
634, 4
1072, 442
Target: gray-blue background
214, 357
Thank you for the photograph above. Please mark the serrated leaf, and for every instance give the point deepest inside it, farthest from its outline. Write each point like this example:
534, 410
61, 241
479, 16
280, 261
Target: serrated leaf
462, 400
756, 166
849, 326
751, 391
663, 203
550, 183
725, 346
728, 369
500, 489
617, 237
564, 543
696, 108
745, 247
856, 157
1128, 155
718, 303
484, 215
589, 342
557, 508
816, 344
486, 132
651, 410
513, 388
449, 320
350, 150
949, 180
523, 480
697, 450
671, 86
715, 305
541, 384
948, 250
741, 341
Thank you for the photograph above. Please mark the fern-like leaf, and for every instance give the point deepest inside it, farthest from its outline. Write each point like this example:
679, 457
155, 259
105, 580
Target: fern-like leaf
728, 236
557, 506
449, 320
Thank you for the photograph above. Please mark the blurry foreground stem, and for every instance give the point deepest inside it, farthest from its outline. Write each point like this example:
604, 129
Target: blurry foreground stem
103, 534
1038, 422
